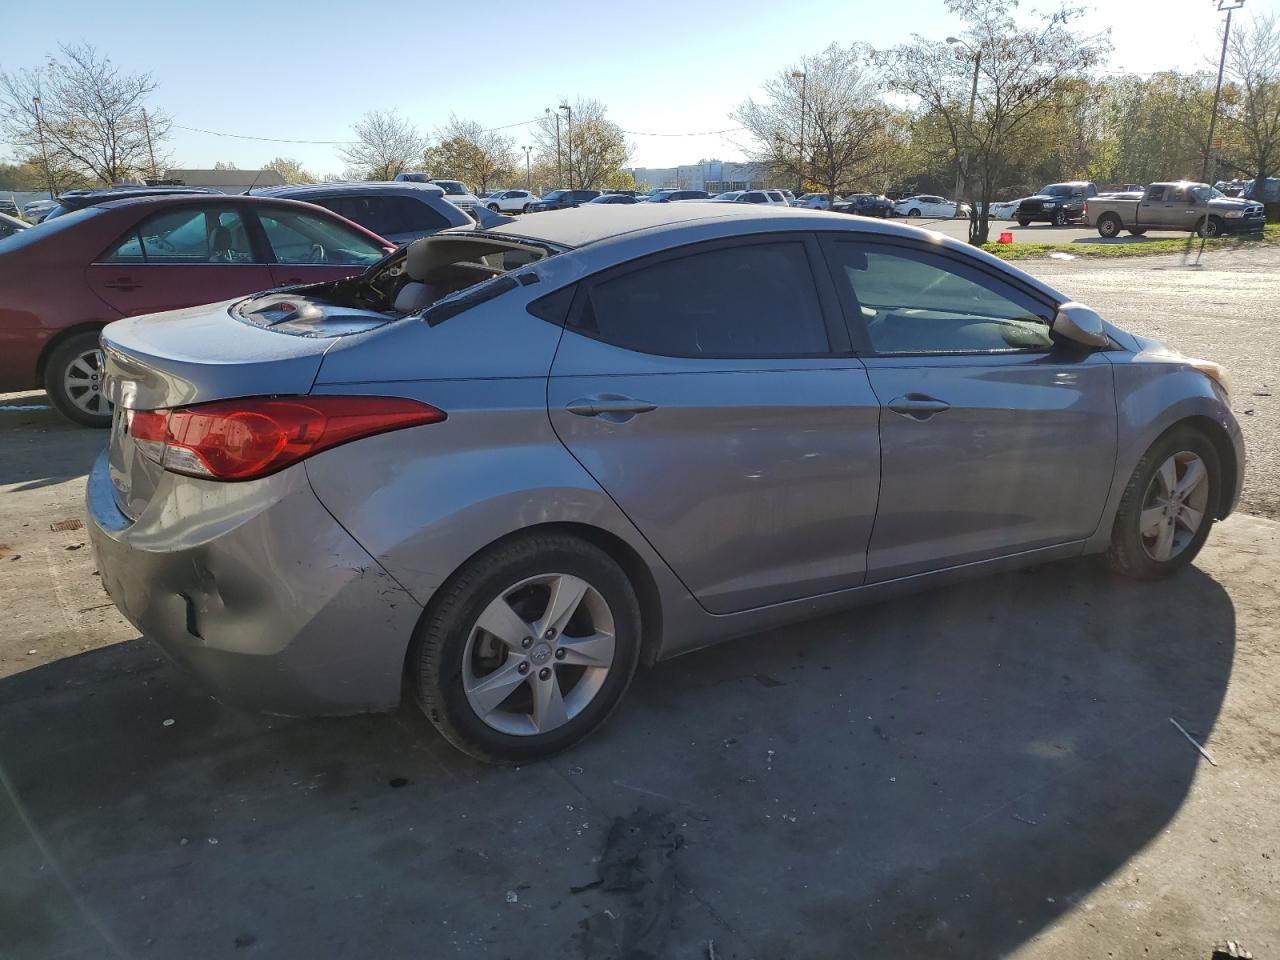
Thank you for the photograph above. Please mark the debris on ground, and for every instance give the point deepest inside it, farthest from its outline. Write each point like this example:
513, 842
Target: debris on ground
1058, 255
1230, 950
64, 526
1203, 752
513, 897
168, 723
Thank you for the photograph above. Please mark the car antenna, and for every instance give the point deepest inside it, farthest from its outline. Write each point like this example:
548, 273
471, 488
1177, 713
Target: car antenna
255, 182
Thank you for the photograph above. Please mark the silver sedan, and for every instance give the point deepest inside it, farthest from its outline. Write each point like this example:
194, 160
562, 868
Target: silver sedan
511, 465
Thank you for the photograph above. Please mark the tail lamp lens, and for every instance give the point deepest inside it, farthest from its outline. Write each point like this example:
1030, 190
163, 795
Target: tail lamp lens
247, 439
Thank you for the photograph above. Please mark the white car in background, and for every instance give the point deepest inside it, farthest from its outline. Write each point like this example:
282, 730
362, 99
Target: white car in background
813, 201
928, 205
37, 210
457, 193
509, 201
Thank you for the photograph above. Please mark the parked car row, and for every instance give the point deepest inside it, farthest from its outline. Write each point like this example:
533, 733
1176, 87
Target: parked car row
1177, 205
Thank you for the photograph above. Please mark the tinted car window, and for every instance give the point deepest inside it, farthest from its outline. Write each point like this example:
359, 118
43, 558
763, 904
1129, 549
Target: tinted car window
185, 235
1155, 193
756, 300
386, 215
304, 238
912, 301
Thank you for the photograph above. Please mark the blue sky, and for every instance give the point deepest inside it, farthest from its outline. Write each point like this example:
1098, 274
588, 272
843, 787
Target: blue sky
307, 70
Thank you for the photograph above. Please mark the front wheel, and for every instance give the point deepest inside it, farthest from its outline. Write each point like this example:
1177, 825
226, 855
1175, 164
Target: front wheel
1167, 509
525, 208
529, 649
73, 379
1138, 231
1024, 223
494, 208
913, 212
1210, 227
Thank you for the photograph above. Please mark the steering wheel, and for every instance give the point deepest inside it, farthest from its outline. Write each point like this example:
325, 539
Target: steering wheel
319, 254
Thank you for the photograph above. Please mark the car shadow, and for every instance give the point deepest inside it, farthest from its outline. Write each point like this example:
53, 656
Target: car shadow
41, 447
942, 775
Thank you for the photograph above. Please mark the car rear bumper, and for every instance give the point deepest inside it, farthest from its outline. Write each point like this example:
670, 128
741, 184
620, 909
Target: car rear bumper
257, 590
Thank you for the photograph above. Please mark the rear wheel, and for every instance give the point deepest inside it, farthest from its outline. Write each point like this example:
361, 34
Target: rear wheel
529, 649
1060, 219
1023, 223
1109, 226
73, 380
1167, 508
1138, 231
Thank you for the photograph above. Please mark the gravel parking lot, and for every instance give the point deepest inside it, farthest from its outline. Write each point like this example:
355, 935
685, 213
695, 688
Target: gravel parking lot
982, 771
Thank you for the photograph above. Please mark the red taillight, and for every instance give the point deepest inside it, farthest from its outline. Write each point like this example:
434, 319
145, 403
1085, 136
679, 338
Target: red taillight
247, 439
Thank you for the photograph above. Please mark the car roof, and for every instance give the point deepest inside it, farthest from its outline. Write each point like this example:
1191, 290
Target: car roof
297, 191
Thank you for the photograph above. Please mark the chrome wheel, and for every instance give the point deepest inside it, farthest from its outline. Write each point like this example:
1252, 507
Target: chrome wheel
1174, 506
538, 654
82, 383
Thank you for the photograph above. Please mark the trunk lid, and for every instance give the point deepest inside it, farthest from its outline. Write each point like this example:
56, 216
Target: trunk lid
219, 351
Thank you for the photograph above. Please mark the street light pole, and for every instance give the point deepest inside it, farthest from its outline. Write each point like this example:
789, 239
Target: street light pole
568, 110
559, 172
803, 77
1229, 7
528, 171
44, 153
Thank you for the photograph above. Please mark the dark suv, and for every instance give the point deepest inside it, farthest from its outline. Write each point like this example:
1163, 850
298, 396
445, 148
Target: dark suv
1057, 203
79, 199
563, 200
666, 196
400, 211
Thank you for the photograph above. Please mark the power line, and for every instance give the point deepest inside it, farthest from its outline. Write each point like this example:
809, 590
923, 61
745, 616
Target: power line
245, 136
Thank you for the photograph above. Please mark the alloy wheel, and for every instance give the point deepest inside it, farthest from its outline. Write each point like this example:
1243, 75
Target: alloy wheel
82, 382
538, 654
1174, 506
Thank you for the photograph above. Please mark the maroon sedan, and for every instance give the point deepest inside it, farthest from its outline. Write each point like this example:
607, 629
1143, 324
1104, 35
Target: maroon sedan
62, 281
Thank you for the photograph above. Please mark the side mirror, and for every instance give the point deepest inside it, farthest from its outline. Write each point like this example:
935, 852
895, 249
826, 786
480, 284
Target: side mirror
1077, 322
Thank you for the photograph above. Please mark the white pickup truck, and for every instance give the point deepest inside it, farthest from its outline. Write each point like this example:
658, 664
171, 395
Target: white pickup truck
1181, 205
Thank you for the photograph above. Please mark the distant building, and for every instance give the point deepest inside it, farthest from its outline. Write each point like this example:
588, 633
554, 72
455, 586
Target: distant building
713, 176
227, 181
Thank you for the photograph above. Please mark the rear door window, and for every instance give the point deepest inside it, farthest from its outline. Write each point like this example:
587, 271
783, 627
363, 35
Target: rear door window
748, 300
185, 235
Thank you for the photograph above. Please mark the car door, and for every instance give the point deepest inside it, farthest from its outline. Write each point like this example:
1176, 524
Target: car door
995, 437
701, 390
1151, 212
179, 256
1181, 211
308, 247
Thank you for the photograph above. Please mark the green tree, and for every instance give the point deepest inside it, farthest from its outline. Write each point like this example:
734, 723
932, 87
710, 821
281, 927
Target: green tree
291, 170
1253, 69
592, 148
466, 151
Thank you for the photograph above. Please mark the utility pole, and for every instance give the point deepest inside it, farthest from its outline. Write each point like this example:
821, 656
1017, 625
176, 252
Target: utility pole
151, 154
528, 170
803, 77
567, 109
1229, 7
559, 172
44, 153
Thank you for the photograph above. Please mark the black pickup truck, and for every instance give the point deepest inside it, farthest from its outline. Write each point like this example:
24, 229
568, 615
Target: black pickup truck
1056, 203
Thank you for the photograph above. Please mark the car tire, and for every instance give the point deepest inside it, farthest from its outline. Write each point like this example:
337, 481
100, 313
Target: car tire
450, 647
1060, 219
494, 208
1109, 226
1210, 227
913, 212
1138, 231
525, 208
1152, 536
73, 380
1024, 223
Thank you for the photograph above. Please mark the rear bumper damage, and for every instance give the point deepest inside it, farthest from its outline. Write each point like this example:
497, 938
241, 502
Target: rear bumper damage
257, 590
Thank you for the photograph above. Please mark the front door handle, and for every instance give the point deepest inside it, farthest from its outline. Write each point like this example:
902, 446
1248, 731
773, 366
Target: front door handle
610, 406
918, 406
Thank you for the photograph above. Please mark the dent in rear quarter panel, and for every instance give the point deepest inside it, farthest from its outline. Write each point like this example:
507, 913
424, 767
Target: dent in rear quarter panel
1154, 391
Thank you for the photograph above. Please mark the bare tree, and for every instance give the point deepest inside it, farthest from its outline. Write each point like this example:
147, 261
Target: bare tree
989, 84
1253, 70
291, 170
468, 152
822, 123
592, 148
385, 145
86, 114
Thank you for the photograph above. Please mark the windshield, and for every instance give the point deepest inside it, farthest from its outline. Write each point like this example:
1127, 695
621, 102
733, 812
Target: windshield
1060, 190
46, 228
731, 195
1204, 193
556, 195
452, 187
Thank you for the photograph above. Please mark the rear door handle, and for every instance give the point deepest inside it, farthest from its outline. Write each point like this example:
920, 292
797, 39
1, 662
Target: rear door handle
610, 406
122, 283
918, 406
